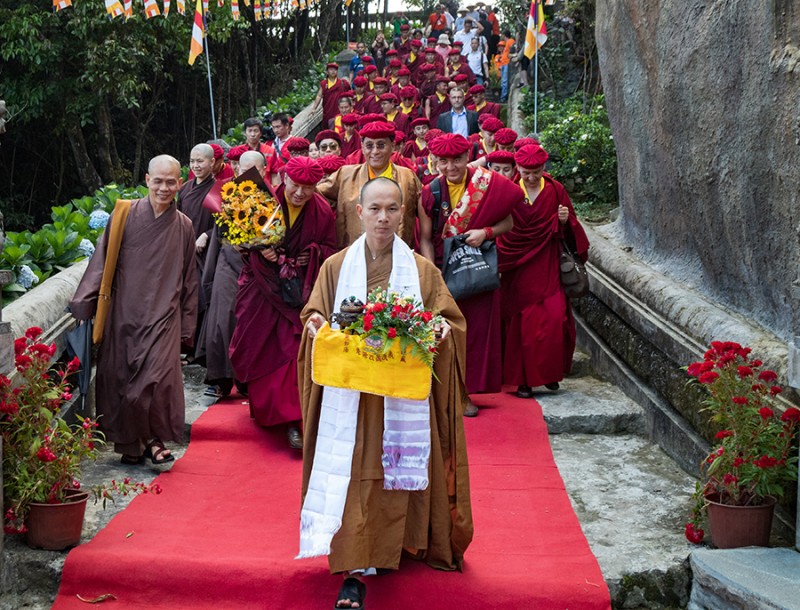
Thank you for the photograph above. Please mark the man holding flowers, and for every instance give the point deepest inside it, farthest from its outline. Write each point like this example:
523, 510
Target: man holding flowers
365, 524
273, 286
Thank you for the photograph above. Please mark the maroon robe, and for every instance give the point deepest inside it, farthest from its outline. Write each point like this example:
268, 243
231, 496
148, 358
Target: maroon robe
427, 88
139, 389
358, 105
372, 105
438, 107
424, 172
488, 108
266, 340
463, 68
413, 151
352, 145
330, 98
482, 311
401, 121
539, 329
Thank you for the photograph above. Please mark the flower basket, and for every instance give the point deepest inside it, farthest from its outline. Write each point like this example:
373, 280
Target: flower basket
57, 526
739, 526
356, 362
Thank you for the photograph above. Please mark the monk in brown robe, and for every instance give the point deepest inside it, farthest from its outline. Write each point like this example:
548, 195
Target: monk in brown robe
433, 522
343, 188
139, 390
274, 284
537, 318
477, 203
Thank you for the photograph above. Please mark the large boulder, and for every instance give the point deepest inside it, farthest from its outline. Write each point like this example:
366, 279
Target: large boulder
704, 103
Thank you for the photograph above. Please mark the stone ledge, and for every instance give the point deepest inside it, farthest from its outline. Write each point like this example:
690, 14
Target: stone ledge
747, 579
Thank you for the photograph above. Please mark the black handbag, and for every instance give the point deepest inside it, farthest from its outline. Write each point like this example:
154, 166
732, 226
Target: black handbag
574, 277
468, 270
292, 292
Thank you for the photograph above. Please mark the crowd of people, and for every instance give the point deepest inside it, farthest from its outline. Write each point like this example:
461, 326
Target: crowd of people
409, 155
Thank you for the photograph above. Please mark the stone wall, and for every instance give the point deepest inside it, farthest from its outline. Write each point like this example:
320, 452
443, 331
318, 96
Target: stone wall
704, 103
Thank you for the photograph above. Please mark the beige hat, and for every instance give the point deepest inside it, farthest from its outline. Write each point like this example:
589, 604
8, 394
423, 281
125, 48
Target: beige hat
443, 39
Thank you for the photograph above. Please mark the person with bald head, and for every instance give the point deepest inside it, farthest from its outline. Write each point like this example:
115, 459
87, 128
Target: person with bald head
273, 287
139, 392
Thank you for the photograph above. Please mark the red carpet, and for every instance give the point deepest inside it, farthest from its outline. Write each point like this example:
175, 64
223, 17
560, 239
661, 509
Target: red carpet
224, 532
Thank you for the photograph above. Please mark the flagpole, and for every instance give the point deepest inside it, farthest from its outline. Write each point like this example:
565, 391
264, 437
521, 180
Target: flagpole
210, 89
536, 91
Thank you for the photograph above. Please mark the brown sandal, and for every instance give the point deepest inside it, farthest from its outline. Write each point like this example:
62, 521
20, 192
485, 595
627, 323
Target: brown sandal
154, 449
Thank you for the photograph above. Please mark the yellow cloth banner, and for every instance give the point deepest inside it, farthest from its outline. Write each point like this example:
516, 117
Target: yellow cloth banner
346, 361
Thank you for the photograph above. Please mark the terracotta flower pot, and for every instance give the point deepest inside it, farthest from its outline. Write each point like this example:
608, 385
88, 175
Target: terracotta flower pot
55, 527
737, 526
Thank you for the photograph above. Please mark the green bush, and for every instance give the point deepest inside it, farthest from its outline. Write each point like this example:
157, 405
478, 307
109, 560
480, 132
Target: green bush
577, 136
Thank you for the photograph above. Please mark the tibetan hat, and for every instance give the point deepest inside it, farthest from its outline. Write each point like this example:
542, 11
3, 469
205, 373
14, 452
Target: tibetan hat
395, 63
331, 64
399, 136
416, 43
380, 81
404, 71
433, 134
500, 156
330, 163
454, 53
491, 124
442, 79
304, 170
344, 94
297, 144
378, 129
366, 59
430, 50
458, 43
428, 68
219, 152
392, 53
236, 152
370, 69
476, 89
421, 121
460, 78
405, 27
449, 145
388, 97
370, 117
359, 81
407, 92
505, 136
350, 119
530, 156
525, 142
327, 134
431, 39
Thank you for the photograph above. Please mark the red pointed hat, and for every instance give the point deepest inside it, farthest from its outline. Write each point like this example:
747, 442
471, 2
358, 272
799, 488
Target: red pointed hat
407, 92
219, 152
304, 170
327, 134
492, 124
500, 156
505, 136
359, 81
525, 142
530, 156
395, 63
449, 146
366, 59
378, 129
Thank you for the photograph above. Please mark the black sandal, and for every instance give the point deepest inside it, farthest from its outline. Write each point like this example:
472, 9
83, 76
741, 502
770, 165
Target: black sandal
354, 591
154, 449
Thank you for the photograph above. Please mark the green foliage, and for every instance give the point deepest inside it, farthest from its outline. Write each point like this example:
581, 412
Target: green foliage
577, 136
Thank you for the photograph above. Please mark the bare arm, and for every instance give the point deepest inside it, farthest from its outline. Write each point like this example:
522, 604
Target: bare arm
317, 99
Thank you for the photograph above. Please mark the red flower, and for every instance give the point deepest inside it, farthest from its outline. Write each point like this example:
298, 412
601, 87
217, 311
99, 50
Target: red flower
765, 461
757, 363
693, 534
9, 407
729, 479
766, 412
792, 414
73, 365
45, 455
768, 376
19, 345
738, 462
739, 400
745, 371
33, 333
694, 369
379, 307
723, 434
427, 316
23, 361
775, 390
708, 377
391, 333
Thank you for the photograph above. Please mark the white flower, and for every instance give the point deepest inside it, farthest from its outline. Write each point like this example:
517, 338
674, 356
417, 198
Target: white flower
585, 137
575, 170
551, 106
26, 277
600, 107
86, 248
98, 219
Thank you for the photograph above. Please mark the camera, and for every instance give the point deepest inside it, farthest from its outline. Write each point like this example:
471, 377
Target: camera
267, 133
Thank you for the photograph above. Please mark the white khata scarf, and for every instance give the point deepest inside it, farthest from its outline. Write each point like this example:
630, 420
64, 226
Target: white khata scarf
406, 423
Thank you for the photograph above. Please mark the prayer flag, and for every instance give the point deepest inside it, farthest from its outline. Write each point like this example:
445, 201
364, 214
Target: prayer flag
302, 4
348, 2
205, 6
235, 9
220, 3
59, 4
247, 2
536, 34
549, 2
113, 8
257, 11
166, 8
128, 4
198, 31
151, 9
181, 7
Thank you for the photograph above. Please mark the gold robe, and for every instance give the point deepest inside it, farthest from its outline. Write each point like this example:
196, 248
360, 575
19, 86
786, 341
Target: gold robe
342, 189
377, 524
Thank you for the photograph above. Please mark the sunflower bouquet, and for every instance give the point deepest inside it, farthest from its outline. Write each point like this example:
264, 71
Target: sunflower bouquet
250, 216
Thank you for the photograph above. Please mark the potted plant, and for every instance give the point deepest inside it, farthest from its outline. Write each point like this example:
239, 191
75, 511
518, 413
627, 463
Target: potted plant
42, 453
753, 459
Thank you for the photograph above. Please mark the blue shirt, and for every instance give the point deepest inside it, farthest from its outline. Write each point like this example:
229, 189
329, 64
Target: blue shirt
355, 65
459, 123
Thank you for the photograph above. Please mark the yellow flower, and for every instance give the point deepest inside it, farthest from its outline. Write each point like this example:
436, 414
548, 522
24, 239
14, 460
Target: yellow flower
247, 188
260, 218
228, 189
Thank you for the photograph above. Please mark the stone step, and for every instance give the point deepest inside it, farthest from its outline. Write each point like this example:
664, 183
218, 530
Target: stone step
581, 364
589, 406
745, 579
632, 501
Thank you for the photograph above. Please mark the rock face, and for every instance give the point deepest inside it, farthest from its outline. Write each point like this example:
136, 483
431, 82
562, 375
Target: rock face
704, 103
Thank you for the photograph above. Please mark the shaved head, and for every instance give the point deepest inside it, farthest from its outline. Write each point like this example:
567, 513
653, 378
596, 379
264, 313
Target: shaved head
252, 158
203, 150
165, 160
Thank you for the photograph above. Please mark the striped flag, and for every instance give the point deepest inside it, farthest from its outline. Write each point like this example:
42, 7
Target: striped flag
348, 2
235, 9
220, 3
60, 4
257, 10
198, 31
113, 8
205, 6
151, 9
128, 4
181, 7
166, 7
536, 34
549, 2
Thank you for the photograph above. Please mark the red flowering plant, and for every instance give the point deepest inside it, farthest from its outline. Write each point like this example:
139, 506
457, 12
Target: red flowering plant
754, 456
42, 453
392, 317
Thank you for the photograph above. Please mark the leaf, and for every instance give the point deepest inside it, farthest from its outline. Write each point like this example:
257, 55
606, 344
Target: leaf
97, 600
129, 534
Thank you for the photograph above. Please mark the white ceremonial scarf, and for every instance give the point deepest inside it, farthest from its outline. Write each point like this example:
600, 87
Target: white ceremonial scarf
406, 424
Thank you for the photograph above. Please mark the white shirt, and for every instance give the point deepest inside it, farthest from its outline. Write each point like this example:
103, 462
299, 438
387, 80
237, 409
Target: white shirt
465, 38
475, 61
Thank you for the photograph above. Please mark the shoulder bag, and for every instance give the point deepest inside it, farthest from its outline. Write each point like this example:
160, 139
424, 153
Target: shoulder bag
574, 277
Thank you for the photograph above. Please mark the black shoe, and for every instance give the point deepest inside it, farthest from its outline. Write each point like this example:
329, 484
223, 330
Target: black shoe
552, 386
471, 410
295, 438
525, 391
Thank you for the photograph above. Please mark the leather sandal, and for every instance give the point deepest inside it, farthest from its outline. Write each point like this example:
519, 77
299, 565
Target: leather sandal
525, 391
353, 591
131, 460
295, 438
153, 451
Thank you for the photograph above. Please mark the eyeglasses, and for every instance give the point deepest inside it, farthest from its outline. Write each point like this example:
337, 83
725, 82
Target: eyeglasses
376, 146
332, 146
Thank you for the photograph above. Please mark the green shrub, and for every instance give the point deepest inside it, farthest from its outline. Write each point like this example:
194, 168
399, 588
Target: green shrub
577, 136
